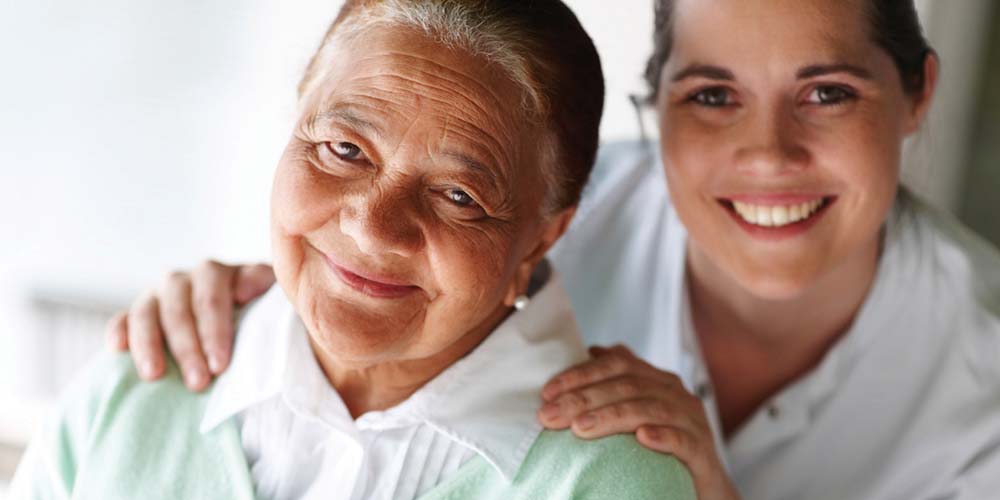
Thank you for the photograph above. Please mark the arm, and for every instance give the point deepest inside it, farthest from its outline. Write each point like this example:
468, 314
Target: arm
616, 392
192, 314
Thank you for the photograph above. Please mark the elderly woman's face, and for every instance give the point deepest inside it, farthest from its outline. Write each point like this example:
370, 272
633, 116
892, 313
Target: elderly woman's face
782, 124
407, 203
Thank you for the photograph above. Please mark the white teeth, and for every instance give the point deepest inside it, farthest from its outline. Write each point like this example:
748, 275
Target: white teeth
764, 216
779, 216
776, 216
795, 213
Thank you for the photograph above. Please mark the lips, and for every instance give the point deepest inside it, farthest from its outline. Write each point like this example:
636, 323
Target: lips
372, 284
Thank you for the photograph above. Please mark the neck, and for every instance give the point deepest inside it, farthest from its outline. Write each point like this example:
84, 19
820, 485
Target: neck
753, 346
367, 386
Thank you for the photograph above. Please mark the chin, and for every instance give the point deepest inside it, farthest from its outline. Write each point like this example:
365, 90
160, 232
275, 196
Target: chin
777, 284
350, 332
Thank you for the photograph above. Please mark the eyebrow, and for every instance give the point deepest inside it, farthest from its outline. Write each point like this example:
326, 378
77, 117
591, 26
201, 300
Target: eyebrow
468, 161
348, 115
828, 69
720, 73
471, 163
704, 71
475, 166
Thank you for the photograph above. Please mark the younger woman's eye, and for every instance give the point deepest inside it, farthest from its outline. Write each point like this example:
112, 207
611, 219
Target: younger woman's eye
714, 97
828, 95
345, 150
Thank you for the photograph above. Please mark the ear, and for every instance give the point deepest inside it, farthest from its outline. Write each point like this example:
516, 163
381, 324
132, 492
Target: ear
552, 229
922, 100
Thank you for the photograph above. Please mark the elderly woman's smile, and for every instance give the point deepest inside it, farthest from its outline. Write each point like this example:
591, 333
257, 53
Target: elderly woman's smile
375, 285
406, 201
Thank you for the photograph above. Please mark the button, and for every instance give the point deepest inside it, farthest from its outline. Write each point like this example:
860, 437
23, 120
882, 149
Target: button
773, 411
703, 391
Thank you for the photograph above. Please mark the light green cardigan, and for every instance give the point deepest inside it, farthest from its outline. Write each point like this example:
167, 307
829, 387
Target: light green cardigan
116, 437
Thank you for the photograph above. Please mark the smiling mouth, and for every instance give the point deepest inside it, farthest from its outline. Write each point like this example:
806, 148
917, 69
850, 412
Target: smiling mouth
781, 218
371, 285
778, 215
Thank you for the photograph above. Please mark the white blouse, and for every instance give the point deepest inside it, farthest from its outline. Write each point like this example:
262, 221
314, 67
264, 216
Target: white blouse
301, 442
905, 406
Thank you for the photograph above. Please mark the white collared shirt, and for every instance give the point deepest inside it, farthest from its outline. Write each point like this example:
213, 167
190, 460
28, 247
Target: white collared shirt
301, 442
905, 406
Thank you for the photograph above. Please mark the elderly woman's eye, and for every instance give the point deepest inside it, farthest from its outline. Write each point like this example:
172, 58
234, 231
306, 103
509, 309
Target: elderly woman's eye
714, 97
345, 150
460, 198
828, 95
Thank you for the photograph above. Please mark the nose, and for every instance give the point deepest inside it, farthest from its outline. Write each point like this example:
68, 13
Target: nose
382, 222
773, 144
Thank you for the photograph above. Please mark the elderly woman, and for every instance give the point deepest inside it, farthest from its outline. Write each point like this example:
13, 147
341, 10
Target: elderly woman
440, 153
841, 336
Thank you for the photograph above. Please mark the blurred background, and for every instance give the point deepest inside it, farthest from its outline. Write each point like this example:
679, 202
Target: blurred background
139, 136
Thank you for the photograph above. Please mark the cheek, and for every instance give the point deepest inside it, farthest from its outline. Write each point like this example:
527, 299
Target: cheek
692, 157
302, 201
472, 269
868, 169
691, 147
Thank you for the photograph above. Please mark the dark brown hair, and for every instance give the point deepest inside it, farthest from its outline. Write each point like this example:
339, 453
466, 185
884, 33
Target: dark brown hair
541, 46
894, 26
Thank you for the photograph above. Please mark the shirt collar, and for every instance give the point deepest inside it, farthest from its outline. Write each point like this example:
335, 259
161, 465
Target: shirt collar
489, 399
486, 401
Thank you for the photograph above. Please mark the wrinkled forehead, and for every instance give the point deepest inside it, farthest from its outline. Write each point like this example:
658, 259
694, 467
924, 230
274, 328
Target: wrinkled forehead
390, 78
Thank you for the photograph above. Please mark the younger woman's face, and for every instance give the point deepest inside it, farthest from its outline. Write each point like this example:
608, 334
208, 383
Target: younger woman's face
782, 124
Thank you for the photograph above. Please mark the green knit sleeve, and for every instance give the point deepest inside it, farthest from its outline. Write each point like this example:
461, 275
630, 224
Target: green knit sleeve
116, 437
626, 470
49, 467
612, 467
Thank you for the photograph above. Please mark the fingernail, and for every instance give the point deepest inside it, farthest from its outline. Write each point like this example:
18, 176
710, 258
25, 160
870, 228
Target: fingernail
194, 377
148, 370
550, 411
215, 362
652, 434
551, 389
585, 422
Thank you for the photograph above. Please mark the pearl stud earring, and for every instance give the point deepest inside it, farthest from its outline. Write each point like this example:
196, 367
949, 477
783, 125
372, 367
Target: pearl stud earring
521, 302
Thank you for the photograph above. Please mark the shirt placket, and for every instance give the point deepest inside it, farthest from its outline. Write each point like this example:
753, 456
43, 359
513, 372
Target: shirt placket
780, 419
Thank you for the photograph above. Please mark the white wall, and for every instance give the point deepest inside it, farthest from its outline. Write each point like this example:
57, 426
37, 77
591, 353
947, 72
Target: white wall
936, 159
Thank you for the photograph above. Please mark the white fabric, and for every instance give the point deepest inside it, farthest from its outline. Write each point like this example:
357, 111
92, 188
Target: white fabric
905, 406
301, 442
